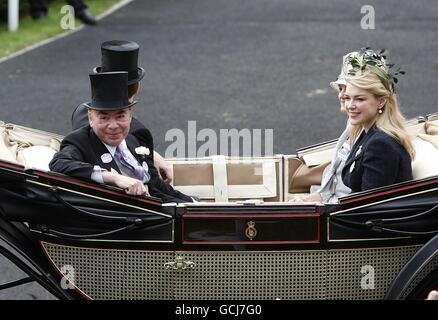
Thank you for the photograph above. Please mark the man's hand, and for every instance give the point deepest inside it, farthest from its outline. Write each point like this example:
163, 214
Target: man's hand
131, 186
164, 169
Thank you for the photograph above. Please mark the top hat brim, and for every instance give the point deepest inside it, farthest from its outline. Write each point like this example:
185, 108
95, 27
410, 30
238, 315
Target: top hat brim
108, 107
140, 74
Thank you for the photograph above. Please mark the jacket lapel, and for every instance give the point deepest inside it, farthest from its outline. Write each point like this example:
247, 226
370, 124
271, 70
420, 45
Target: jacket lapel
132, 143
359, 146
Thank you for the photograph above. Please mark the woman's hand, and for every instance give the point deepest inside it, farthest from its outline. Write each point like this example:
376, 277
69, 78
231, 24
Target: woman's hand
313, 197
433, 295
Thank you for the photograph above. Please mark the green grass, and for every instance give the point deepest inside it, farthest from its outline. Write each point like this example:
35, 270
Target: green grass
30, 32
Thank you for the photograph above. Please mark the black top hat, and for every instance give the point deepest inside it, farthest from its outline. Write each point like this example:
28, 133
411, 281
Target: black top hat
109, 91
120, 55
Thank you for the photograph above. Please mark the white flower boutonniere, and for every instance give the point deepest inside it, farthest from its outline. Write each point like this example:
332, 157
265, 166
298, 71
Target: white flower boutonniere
142, 152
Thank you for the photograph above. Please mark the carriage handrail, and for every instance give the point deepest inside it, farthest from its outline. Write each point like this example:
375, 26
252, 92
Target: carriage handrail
402, 219
55, 193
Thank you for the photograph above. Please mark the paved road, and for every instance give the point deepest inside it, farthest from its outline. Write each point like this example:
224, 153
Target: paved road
228, 64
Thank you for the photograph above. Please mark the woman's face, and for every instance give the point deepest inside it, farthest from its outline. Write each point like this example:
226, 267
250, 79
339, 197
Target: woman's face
341, 97
362, 106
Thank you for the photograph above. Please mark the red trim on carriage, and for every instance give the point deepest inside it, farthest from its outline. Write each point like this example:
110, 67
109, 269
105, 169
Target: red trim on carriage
388, 192
73, 181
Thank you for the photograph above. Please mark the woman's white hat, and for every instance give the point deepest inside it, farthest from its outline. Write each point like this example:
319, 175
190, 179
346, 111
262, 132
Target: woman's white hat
341, 77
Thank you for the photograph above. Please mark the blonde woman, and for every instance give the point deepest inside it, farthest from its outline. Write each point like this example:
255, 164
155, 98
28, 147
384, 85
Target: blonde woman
332, 186
382, 152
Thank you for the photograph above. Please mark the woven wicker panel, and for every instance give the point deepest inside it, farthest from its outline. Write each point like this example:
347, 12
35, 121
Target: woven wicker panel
146, 277
116, 274
322, 274
231, 275
344, 274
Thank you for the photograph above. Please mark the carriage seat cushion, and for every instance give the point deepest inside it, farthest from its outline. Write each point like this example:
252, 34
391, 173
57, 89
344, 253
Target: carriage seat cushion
8, 148
426, 159
37, 157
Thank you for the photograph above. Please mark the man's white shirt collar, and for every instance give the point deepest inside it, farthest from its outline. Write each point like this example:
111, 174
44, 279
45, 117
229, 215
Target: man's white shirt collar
112, 150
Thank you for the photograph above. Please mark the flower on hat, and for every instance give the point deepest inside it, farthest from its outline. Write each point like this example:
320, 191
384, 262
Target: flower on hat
367, 59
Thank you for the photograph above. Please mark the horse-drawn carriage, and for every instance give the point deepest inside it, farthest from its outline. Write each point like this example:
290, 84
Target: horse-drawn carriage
244, 240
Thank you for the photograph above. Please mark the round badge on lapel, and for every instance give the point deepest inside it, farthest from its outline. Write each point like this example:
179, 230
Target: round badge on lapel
106, 158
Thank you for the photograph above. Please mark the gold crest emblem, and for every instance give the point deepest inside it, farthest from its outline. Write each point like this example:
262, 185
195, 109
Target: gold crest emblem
251, 231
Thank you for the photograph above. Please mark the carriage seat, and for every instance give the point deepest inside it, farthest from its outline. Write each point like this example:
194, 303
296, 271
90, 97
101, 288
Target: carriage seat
225, 179
27, 147
426, 147
36, 157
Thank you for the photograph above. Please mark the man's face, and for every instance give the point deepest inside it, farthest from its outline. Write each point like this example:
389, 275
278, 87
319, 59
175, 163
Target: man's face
111, 127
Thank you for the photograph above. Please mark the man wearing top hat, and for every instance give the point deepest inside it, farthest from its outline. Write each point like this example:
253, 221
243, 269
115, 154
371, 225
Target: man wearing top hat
105, 152
120, 55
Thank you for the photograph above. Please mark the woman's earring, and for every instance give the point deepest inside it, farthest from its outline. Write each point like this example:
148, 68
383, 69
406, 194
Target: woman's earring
380, 111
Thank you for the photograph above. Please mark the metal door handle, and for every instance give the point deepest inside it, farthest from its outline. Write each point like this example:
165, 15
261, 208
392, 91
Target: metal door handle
179, 264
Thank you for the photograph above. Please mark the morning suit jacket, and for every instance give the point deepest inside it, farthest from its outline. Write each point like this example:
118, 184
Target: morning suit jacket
81, 150
376, 160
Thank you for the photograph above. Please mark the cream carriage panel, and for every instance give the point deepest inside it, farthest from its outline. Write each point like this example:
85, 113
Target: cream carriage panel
223, 179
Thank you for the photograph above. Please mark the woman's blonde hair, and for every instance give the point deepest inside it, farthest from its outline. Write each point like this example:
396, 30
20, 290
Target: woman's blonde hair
390, 121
